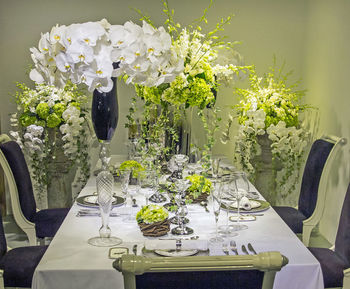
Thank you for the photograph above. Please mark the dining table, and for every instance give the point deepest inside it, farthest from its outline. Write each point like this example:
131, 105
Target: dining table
70, 262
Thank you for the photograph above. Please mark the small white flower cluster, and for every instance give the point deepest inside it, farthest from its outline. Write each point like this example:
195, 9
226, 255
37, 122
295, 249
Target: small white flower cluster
71, 130
85, 53
32, 138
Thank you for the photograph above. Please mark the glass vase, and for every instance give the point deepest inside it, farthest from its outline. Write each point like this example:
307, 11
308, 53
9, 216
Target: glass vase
104, 114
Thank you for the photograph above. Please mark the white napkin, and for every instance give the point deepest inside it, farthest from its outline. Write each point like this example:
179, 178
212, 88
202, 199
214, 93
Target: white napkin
171, 245
245, 204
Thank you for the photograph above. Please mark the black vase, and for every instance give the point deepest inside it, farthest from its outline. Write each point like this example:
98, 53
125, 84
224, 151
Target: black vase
104, 112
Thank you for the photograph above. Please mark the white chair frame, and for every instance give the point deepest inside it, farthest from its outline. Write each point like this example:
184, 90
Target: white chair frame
310, 223
22, 222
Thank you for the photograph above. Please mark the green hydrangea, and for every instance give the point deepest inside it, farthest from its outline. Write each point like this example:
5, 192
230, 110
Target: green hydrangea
26, 119
133, 166
200, 185
76, 104
59, 108
53, 120
151, 214
43, 110
200, 93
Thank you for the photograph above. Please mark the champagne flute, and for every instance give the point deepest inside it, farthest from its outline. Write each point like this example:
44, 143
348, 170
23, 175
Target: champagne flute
216, 200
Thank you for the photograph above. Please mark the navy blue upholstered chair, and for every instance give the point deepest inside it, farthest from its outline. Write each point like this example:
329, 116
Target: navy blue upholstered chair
335, 263
36, 224
17, 265
304, 218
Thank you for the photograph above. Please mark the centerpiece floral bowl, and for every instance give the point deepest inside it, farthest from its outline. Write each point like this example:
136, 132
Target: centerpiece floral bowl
153, 221
199, 189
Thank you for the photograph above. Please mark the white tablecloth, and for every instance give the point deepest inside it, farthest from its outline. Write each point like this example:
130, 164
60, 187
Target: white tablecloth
70, 262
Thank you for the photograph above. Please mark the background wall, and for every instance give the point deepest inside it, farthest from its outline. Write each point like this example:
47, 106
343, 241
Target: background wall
310, 35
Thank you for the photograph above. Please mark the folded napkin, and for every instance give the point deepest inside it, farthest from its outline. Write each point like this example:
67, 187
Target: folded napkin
201, 245
245, 204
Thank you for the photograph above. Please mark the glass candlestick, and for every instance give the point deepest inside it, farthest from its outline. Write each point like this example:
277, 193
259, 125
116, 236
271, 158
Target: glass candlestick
104, 185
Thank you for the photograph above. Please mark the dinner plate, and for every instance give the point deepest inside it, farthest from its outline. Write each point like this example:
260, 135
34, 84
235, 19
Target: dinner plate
263, 207
91, 201
176, 253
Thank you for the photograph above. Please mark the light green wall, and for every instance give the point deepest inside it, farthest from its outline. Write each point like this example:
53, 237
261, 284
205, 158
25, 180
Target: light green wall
310, 35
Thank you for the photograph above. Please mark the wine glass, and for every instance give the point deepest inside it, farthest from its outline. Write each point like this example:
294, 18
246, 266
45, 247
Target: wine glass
241, 189
149, 183
132, 189
227, 189
216, 200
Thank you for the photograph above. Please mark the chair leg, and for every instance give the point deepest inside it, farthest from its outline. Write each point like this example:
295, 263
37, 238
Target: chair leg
2, 286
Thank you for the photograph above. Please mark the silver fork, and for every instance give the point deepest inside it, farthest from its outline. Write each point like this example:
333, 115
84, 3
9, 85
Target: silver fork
225, 248
233, 247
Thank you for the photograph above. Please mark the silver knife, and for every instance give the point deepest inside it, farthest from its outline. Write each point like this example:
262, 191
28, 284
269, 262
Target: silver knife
244, 249
250, 247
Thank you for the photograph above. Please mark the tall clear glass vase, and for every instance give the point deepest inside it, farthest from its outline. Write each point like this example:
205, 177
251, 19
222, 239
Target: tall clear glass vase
104, 185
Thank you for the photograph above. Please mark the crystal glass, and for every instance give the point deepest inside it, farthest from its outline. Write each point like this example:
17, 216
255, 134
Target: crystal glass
177, 163
133, 188
241, 189
149, 183
181, 186
104, 184
216, 200
227, 188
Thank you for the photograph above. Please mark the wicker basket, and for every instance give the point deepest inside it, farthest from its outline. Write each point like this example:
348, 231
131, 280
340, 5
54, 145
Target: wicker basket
202, 197
156, 229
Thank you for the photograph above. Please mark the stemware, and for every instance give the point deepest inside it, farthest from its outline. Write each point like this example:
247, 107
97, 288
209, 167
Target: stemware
181, 186
149, 183
241, 189
132, 189
227, 189
216, 200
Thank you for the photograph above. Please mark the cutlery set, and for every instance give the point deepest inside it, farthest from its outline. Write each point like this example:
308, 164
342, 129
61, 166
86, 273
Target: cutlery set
93, 213
226, 247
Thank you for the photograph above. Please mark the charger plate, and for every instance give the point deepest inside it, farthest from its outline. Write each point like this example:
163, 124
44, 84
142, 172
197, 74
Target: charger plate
263, 207
91, 201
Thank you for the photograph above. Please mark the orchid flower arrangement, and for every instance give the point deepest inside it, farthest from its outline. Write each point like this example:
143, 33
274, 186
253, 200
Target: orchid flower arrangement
50, 118
269, 108
208, 62
91, 53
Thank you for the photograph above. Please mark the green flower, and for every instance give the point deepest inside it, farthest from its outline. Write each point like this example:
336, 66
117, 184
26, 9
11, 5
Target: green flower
59, 108
43, 110
40, 123
133, 166
200, 185
76, 104
152, 214
26, 119
53, 120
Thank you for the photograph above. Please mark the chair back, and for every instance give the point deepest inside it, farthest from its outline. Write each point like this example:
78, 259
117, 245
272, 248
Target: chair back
17, 173
236, 267
342, 241
317, 158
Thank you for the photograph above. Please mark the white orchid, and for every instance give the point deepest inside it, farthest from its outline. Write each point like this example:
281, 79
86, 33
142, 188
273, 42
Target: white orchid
84, 53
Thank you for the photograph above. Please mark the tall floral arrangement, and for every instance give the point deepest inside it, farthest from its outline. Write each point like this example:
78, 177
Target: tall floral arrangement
50, 119
91, 53
270, 109
208, 62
